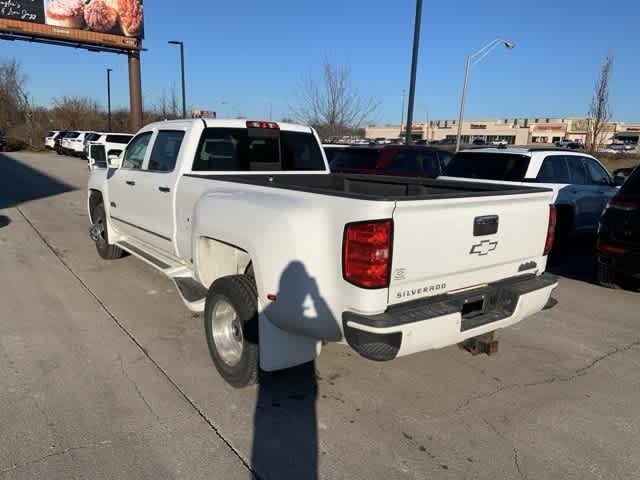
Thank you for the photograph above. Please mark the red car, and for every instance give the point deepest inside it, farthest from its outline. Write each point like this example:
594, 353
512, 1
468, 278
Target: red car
398, 160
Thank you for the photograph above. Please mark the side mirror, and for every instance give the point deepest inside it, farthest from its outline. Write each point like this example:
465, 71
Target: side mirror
114, 161
618, 181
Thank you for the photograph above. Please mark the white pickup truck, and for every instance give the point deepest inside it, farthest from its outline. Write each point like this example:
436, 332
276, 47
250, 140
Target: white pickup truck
283, 256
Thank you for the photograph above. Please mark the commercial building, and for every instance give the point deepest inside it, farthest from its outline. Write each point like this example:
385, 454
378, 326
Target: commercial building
513, 131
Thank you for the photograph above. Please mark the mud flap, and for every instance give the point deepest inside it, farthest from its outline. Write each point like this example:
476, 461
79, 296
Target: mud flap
280, 349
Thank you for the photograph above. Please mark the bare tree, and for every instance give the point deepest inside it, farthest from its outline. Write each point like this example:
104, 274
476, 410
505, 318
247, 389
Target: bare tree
600, 111
332, 104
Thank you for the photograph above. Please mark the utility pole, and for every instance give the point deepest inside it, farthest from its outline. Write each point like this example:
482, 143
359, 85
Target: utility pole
135, 91
414, 69
109, 98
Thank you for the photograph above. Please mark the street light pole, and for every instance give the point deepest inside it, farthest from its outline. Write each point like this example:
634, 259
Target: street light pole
184, 94
472, 60
462, 102
402, 113
414, 69
109, 98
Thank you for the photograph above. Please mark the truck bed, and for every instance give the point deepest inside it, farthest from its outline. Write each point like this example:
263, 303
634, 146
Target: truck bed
376, 187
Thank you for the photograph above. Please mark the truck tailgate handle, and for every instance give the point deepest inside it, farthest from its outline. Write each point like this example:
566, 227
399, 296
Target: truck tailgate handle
130, 182
164, 189
487, 225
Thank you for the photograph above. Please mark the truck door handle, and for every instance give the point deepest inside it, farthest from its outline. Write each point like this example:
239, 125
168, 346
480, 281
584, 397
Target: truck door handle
130, 182
164, 189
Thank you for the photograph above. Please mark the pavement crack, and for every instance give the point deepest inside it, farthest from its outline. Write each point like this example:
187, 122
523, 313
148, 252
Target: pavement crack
137, 389
554, 379
64, 451
144, 351
516, 462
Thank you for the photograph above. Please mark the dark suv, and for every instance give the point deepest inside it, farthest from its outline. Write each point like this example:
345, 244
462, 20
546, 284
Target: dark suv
399, 160
619, 237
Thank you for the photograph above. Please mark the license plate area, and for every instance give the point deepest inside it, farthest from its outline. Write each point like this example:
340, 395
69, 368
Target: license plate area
472, 307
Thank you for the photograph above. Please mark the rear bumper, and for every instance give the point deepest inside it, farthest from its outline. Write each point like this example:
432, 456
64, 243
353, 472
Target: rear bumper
626, 264
438, 322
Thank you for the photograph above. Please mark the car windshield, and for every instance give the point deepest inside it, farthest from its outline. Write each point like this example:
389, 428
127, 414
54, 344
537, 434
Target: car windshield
489, 166
72, 135
360, 159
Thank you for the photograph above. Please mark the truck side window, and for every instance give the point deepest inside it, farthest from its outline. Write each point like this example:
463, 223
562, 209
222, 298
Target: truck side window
597, 174
554, 170
134, 155
578, 171
165, 150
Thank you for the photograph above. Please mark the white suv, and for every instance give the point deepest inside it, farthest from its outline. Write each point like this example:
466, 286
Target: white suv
108, 144
581, 185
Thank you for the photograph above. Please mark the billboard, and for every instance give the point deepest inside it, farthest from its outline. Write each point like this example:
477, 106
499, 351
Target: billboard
116, 23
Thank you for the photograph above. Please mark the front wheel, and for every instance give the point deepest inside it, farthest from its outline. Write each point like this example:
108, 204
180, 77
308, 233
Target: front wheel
231, 326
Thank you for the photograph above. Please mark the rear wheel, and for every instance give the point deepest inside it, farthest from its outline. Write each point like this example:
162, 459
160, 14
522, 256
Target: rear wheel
231, 326
100, 235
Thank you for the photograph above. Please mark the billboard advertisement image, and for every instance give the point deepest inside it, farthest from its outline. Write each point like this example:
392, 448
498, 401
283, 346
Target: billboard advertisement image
86, 21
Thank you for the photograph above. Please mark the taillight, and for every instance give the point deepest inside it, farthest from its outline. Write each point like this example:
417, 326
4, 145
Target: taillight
622, 205
608, 248
551, 230
366, 253
266, 125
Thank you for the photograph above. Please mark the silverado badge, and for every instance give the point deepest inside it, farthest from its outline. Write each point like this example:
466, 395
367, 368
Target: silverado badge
485, 247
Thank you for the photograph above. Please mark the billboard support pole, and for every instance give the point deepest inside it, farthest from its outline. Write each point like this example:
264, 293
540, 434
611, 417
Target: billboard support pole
135, 91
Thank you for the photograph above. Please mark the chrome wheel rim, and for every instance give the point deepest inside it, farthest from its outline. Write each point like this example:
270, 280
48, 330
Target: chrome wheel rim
226, 330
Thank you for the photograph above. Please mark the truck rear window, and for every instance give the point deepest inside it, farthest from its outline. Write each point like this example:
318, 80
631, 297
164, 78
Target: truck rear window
489, 166
254, 149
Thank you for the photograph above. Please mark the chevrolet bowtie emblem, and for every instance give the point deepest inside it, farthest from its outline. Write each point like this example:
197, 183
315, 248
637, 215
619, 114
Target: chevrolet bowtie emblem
483, 248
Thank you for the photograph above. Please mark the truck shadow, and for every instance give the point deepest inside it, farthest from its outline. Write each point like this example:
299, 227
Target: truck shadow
20, 183
285, 438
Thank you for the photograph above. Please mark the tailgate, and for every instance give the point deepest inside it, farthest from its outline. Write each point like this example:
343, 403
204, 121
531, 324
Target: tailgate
442, 246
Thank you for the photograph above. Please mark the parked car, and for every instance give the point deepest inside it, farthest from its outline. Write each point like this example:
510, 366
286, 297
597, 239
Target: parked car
88, 138
399, 160
281, 255
569, 144
105, 146
618, 148
3, 141
57, 143
619, 237
623, 173
74, 144
581, 185
50, 139
70, 138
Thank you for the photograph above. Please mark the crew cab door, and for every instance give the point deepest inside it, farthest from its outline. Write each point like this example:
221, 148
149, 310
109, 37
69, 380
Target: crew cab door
124, 187
156, 190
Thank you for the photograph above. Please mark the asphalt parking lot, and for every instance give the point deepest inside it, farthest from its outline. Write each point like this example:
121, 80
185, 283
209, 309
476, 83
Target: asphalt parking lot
105, 374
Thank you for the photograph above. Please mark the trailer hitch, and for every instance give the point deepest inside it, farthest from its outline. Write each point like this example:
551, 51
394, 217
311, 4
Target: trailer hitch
481, 344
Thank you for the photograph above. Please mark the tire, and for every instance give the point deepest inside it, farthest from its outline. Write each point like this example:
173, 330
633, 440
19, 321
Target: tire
232, 336
607, 277
105, 250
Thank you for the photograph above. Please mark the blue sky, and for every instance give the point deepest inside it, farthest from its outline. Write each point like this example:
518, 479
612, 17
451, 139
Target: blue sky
243, 56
